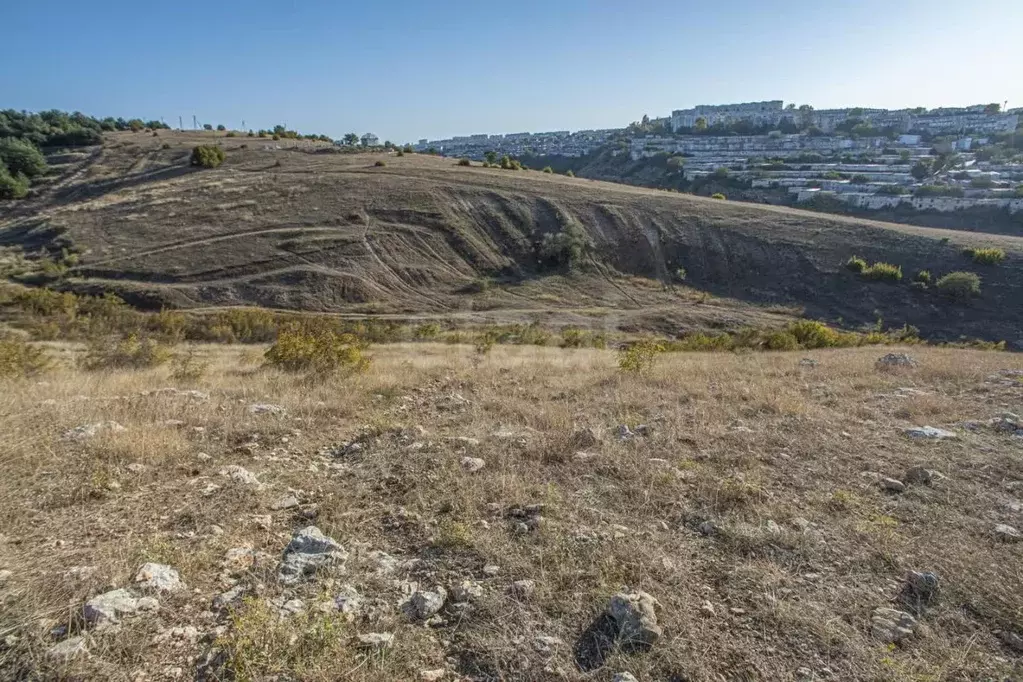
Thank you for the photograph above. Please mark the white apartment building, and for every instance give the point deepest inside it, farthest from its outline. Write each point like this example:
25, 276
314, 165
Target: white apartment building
759, 113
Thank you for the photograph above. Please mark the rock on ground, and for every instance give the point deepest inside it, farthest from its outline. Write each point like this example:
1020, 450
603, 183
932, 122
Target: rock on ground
890, 625
917, 476
624, 677
71, 648
893, 485
376, 640
158, 577
930, 432
1007, 533
432, 675
86, 431
467, 591
240, 474
110, 607
473, 464
523, 589
896, 360
635, 617
308, 551
266, 408
426, 603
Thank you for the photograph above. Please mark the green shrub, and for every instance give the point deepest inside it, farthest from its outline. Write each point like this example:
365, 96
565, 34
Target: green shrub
639, 356
189, 366
320, 351
781, 340
548, 169
21, 359
564, 248
380, 164
464, 162
12, 186
718, 195
856, 264
959, 285
276, 137
813, 334
680, 274
221, 127
207, 156
569, 173
485, 342
130, 353
883, 271
400, 153
986, 256
165, 145
231, 133
22, 158
923, 276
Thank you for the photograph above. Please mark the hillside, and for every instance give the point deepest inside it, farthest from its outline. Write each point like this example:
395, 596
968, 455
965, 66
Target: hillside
305, 227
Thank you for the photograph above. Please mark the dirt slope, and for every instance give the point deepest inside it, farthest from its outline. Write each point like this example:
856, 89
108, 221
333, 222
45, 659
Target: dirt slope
303, 227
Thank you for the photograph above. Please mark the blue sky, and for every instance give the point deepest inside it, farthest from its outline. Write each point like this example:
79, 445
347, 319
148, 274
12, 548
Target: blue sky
406, 69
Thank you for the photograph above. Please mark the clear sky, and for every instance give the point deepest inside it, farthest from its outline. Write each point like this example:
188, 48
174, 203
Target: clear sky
406, 69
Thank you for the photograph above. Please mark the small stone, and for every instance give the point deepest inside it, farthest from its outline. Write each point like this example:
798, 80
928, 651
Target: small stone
425, 603
892, 485
772, 527
624, 677
87, 431
240, 474
707, 528
707, 609
1012, 640
432, 675
808, 362
239, 559
635, 617
1007, 533
896, 361
376, 640
69, 649
922, 587
473, 464
5, 575
890, 625
286, 502
266, 408
522, 589
546, 644
583, 457
230, 598
467, 591
625, 433
158, 577
136, 468
308, 551
491, 570
203, 457
348, 600
930, 432
109, 608
77, 573
917, 476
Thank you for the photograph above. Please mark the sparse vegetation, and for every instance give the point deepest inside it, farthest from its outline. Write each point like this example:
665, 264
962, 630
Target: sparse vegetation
924, 276
856, 264
639, 356
132, 352
960, 286
464, 162
208, 156
569, 173
883, 271
718, 195
19, 359
548, 169
991, 256
380, 163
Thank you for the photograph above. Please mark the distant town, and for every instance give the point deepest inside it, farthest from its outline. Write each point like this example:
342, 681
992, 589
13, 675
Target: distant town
865, 158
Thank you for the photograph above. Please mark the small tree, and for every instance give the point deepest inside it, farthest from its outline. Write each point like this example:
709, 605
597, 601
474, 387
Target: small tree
207, 126
12, 186
548, 169
221, 127
464, 162
920, 170
22, 158
491, 157
718, 195
207, 156
351, 139
569, 173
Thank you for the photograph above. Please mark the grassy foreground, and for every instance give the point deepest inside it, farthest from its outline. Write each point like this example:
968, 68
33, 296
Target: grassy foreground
749, 508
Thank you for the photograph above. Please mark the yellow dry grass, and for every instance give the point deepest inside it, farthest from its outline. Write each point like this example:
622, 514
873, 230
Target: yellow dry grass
735, 439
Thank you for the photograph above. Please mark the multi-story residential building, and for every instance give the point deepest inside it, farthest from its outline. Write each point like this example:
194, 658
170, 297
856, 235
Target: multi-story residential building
758, 113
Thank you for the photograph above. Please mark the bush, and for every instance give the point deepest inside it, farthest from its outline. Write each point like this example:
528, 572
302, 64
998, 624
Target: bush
188, 366
231, 133
986, 256
380, 164
221, 127
680, 274
856, 264
923, 276
569, 173
959, 285
781, 340
400, 153
207, 156
639, 356
12, 186
21, 359
464, 162
22, 158
548, 169
165, 145
276, 138
884, 271
718, 195
318, 351
813, 334
130, 353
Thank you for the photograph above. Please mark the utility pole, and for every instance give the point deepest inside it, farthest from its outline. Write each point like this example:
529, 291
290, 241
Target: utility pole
195, 123
181, 125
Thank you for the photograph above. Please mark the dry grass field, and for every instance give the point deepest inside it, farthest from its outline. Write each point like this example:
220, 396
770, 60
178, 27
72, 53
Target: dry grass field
299, 226
741, 491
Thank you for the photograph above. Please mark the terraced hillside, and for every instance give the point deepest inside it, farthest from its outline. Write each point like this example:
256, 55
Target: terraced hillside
298, 225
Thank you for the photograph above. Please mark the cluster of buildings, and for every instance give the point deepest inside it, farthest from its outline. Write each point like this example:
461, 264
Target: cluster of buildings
979, 118
838, 153
559, 142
